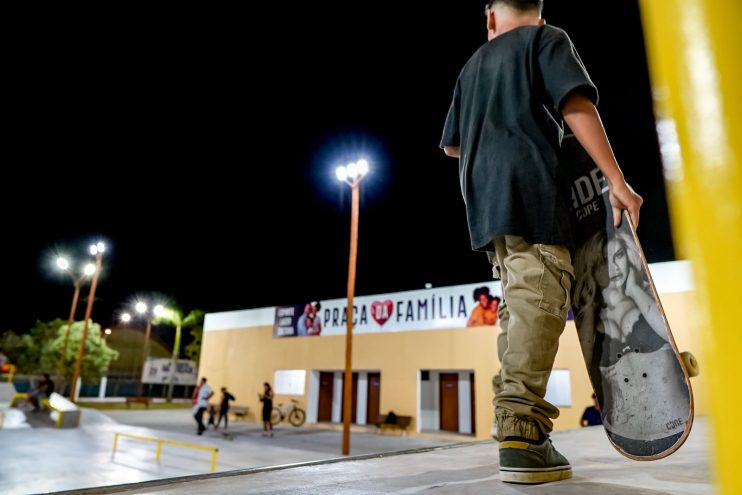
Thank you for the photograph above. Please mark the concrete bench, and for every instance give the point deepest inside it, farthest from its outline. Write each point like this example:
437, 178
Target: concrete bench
402, 422
239, 412
137, 400
64, 413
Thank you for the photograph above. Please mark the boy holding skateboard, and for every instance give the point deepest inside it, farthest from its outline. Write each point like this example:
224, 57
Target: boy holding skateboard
505, 126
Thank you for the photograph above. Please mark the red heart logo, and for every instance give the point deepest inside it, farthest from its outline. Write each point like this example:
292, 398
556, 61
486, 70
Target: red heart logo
381, 311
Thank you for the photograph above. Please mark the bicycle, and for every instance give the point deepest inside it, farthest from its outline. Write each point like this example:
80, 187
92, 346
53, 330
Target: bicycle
292, 412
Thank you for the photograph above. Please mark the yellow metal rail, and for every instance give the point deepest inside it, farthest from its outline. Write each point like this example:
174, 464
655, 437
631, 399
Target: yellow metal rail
160, 442
8, 370
17, 397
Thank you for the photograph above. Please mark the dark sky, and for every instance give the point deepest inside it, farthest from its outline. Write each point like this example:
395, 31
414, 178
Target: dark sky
201, 145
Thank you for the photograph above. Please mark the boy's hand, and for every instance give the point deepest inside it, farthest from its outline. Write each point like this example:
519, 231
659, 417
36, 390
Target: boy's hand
623, 197
582, 117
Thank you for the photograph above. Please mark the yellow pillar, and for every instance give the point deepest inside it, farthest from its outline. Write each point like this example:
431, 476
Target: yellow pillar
696, 71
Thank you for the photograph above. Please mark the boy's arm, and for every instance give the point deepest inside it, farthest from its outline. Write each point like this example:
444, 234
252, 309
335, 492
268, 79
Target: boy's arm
582, 117
452, 151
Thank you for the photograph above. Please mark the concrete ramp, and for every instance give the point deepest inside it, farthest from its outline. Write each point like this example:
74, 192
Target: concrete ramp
92, 418
13, 419
7, 391
465, 468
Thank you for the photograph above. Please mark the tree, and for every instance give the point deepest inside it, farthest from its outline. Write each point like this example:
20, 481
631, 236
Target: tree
98, 355
175, 318
193, 349
26, 350
19, 350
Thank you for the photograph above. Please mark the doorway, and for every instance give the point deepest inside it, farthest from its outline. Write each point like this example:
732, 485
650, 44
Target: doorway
373, 403
446, 401
326, 389
449, 394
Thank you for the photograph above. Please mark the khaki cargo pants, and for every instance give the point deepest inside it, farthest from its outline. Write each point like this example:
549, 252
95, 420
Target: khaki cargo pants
536, 283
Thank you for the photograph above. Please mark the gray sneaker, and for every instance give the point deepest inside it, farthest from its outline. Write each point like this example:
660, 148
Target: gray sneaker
522, 462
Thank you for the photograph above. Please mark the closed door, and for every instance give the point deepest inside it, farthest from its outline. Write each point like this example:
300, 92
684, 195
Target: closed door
449, 394
473, 405
353, 399
324, 408
373, 401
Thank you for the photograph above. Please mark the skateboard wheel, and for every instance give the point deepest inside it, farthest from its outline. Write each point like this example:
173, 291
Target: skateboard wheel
690, 362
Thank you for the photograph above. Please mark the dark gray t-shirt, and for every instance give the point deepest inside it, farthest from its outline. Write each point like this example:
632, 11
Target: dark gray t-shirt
509, 172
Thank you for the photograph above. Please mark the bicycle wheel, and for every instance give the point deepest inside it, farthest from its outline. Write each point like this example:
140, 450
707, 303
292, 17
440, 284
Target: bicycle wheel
276, 416
297, 417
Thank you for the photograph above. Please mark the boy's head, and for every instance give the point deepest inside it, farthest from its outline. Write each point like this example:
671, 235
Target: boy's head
504, 15
519, 5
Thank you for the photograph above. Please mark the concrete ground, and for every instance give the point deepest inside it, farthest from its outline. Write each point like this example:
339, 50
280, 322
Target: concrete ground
46, 459
305, 460
472, 469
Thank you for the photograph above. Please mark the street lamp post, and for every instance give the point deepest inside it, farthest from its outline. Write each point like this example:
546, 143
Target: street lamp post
352, 174
141, 308
97, 251
173, 364
64, 265
104, 378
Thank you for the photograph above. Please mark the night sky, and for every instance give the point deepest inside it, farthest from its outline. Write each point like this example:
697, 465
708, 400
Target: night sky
201, 146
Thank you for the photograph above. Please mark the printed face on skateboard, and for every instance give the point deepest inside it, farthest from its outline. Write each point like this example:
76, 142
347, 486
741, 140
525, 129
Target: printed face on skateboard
619, 264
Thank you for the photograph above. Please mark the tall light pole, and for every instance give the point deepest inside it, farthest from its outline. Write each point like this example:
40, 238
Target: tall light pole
141, 308
177, 320
89, 269
352, 174
97, 251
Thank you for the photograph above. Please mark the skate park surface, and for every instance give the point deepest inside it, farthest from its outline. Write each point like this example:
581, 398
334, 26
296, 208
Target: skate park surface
307, 460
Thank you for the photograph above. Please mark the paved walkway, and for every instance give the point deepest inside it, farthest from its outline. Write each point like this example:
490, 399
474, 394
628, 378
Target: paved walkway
39, 460
471, 469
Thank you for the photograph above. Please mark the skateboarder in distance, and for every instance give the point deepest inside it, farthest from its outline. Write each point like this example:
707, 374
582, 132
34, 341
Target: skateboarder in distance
505, 125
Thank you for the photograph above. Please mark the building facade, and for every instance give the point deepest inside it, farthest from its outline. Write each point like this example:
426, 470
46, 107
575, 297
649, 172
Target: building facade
413, 354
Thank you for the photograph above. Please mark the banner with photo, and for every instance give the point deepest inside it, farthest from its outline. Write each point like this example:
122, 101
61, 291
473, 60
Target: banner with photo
457, 306
157, 370
300, 320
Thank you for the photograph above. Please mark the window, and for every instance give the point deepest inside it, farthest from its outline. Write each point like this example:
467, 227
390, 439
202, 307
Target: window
289, 382
559, 390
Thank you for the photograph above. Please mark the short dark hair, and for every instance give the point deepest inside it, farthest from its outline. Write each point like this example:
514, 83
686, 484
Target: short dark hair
519, 5
481, 291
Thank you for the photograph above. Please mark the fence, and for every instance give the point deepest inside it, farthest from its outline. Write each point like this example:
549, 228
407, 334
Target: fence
116, 386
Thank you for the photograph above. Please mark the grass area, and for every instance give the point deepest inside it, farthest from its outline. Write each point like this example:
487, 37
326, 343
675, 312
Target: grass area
108, 406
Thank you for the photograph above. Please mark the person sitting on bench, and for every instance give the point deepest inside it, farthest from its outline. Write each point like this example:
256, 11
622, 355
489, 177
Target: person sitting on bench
43, 390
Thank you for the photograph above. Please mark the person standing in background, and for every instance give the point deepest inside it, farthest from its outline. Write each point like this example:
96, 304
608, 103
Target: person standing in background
267, 399
591, 416
202, 402
224, 408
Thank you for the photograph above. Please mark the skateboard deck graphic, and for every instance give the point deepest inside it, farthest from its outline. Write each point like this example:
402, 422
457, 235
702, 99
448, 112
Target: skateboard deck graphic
638, 375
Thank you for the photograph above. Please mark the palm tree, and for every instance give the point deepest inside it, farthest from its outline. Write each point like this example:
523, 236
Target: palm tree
175, 318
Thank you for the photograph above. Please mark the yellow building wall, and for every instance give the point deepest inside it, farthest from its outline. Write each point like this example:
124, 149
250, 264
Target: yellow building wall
242, 359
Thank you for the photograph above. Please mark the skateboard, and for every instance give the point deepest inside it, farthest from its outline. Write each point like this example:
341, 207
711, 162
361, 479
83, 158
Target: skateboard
640, 379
